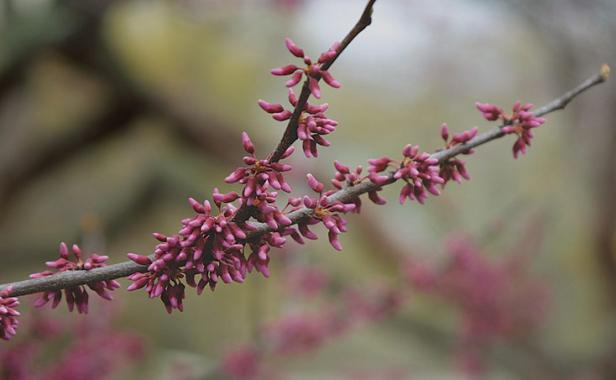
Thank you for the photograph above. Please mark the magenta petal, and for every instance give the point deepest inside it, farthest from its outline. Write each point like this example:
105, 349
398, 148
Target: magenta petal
293, 48
330, 80
313, 84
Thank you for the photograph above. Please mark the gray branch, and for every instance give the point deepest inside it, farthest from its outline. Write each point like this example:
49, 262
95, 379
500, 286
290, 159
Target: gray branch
74, 278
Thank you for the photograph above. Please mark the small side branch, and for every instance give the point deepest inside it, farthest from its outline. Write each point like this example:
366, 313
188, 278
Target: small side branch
290, 133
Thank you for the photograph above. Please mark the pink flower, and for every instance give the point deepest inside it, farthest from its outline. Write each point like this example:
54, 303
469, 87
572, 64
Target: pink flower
455, 168
520, 122
418, 170
76, 295
313, 71
345, 177
8, 314
325, 212
258, 176
210, 246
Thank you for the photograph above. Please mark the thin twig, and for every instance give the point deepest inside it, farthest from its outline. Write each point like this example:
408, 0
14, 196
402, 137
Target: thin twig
73, 278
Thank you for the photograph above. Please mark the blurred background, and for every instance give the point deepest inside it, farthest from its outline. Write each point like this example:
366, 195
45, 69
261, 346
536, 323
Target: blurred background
112, 113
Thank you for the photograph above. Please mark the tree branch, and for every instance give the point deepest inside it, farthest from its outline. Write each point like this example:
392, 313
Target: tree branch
73, 278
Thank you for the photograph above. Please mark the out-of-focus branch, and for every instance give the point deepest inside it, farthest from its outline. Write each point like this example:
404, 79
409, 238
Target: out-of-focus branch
73, 278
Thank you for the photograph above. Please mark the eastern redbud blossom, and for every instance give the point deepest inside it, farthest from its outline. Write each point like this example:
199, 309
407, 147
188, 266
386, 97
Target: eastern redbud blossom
8, 314
312, 124
209, 248
75, 295
520, 122
258, 176
324, 211
328, 212
418, 170
455, 168
346, 177
313, 70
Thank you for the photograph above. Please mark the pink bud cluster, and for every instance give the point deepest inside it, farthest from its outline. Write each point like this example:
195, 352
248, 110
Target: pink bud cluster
346, 177
324, 211
8, 314
210, 246
521, 122
454, 168
75, 295
258, 177
418, 170
312, 124
313, 70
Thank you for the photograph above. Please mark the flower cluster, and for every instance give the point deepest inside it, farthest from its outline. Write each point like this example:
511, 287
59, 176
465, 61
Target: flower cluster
418, 170
324, 211
345, 177
75, 295
257, 177
521, 122
312, 124
209, 245
454, 168
8, 314
313, 70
